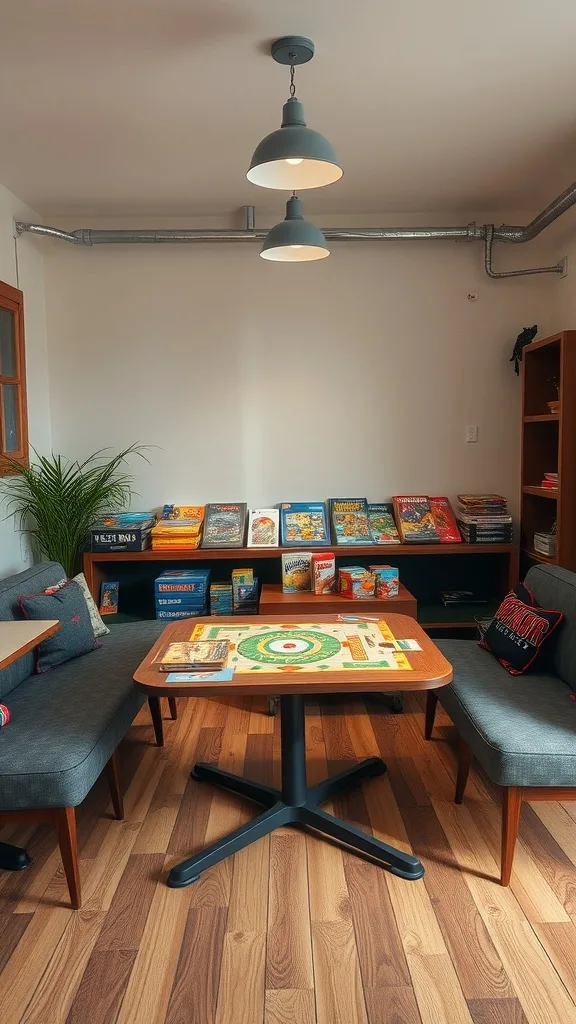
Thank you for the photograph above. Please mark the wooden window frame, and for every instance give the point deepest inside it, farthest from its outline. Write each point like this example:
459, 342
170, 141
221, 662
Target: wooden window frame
13, 300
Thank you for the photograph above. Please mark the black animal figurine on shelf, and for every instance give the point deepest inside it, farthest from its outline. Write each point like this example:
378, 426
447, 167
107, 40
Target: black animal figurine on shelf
523, 339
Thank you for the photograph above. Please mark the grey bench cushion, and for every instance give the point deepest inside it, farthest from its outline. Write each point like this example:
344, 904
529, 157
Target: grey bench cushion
555, 588
66, 724
522, 729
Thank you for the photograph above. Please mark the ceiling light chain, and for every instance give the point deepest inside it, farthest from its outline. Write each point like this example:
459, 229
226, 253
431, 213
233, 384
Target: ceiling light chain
292, 86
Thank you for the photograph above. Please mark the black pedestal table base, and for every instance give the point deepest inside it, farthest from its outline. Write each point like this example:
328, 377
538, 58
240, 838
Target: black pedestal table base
295, 804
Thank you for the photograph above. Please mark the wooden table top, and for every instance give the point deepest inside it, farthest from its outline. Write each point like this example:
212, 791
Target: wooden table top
17, 638
429, 667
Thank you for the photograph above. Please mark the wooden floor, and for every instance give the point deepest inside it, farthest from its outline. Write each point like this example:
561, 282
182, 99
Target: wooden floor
293, 930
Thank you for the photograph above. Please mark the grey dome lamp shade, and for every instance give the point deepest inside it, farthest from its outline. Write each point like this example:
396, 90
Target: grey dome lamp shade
294, 240
294, 156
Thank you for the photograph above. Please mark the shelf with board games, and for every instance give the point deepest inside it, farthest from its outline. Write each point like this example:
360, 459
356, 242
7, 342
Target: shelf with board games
424, 569
413, 537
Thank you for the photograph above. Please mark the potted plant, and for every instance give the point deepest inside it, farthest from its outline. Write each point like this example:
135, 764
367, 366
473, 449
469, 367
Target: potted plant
58, 500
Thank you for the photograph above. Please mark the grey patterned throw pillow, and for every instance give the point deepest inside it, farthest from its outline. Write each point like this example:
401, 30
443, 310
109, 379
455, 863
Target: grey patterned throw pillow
76, 633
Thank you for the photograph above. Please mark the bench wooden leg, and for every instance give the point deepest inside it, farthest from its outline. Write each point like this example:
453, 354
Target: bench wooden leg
173, 707
464, 762
66, 824
113, 773
431, 702
511, 807
156, 712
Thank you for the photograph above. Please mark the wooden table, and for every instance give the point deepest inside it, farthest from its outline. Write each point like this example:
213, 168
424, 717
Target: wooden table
16, 639
295, 803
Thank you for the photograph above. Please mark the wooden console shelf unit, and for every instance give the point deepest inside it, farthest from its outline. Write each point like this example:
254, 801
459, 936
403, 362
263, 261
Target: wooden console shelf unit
549, 446
503, 569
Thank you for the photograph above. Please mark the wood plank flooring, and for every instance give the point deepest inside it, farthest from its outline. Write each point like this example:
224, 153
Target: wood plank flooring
294, 930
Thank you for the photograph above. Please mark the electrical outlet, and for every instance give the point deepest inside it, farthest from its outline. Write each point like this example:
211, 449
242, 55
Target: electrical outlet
471, 434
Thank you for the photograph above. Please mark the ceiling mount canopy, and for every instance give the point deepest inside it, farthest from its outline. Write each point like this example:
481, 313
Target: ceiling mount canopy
294, 157
294, 240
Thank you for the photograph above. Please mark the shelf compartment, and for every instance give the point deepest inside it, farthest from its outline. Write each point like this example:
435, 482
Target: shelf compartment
537, 557
432, 615
541, 492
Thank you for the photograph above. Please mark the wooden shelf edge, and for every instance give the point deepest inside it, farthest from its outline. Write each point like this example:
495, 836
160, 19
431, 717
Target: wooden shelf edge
537, 557
552, 417
377, 550
542, 492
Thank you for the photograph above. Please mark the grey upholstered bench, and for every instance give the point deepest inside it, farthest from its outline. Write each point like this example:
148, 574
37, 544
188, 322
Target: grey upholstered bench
66, 724
522, 729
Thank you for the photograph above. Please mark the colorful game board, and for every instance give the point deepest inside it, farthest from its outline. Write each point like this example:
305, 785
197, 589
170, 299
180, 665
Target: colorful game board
307, 646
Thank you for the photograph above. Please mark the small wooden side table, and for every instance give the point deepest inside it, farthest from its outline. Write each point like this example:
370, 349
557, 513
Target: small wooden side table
16, 639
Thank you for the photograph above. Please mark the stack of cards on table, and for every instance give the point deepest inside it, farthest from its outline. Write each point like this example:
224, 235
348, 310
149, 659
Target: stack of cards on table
181, 593
193, 656
221, 599
244, 592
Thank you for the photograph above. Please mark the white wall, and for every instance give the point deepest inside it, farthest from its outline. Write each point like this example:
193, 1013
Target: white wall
22, 265
262, 382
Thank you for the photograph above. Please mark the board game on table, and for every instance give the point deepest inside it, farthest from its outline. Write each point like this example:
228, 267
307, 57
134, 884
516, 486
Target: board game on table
309, 646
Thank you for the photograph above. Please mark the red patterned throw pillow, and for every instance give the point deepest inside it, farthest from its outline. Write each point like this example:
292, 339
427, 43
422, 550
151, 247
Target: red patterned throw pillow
518, 630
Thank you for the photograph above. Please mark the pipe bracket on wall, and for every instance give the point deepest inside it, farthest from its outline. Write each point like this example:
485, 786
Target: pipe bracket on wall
558, 268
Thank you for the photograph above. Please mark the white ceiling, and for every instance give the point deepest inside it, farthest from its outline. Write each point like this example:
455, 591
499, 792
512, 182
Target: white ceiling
154, 106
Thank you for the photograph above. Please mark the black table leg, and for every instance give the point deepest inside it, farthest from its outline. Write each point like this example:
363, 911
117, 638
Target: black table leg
13, 858
294, 804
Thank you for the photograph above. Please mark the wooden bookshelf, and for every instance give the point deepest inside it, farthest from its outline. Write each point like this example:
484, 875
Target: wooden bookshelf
549, 446
424, 568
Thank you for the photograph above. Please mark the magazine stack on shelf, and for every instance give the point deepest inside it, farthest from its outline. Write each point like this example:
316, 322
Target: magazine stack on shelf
484, 518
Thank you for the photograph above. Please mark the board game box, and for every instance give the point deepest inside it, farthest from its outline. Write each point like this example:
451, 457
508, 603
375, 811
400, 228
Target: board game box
263, 528
308, 646
350, 520
296, 572
323, 572
304, 522
414, 519
445, 521
224, 525
382, 525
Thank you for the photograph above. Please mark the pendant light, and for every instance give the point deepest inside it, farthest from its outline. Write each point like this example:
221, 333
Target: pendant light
294, 156
294, 240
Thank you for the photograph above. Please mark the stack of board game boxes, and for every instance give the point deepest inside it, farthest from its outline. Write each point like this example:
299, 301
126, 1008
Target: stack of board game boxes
484, 519
180, 527
237, 598
181, 593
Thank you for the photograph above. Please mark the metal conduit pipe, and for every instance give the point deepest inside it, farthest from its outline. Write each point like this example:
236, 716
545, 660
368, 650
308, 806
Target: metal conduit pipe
558, 268
486, 232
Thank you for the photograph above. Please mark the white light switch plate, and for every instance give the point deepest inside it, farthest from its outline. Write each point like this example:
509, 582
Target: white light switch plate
471, 434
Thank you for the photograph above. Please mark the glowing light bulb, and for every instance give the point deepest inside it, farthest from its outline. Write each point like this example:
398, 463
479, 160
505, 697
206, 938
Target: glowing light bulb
295, 246
295, 160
